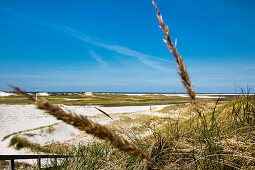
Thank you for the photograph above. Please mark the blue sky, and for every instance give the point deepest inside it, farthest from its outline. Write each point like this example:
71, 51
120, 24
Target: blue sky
58, 45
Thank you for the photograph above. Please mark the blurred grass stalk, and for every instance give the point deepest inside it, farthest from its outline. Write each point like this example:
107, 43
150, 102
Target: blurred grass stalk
181, 68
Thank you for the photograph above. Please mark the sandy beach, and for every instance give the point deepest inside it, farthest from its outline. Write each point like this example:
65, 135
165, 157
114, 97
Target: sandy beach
17, 118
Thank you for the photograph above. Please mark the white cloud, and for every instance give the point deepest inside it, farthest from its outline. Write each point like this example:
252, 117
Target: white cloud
98, 59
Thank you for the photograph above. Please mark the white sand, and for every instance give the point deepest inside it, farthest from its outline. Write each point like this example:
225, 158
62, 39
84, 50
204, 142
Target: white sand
16, 118
43, 94
2, 93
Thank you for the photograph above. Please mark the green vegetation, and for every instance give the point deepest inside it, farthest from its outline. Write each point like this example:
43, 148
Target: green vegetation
81, 99
55, 148
228, 143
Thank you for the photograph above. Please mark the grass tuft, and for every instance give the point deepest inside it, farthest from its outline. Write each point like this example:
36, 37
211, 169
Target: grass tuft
54, 148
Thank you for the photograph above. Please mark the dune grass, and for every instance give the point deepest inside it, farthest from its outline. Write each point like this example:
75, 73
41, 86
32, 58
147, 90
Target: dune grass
228, 143
19, 142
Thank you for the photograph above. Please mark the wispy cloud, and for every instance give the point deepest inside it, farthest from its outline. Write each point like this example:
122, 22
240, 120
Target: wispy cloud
240, 72
98, 59
149, 60
24, 76
247, 69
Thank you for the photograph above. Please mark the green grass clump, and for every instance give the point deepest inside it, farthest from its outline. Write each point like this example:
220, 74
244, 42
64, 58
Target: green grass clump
228, 143
54, 148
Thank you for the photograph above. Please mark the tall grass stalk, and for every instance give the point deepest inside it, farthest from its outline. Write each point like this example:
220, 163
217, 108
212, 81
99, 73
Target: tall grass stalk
181, 68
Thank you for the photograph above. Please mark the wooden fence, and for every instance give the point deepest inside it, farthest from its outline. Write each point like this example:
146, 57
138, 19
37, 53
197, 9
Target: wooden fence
11, 158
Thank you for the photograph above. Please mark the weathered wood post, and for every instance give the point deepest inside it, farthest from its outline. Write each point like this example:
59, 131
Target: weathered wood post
38, 163
11, 164
55, 162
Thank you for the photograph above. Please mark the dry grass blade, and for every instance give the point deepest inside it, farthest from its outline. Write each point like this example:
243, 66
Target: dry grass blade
95, 129
180, 65
106, 114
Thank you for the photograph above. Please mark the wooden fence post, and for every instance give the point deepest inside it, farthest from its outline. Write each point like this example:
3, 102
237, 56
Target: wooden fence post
38, 163
11, 164
56, 162
11, 159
